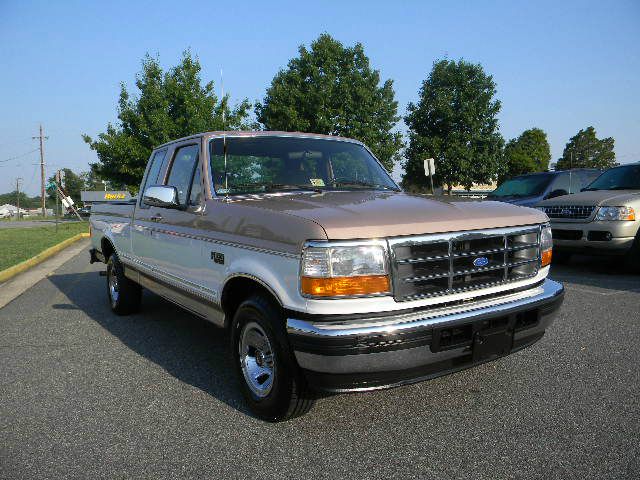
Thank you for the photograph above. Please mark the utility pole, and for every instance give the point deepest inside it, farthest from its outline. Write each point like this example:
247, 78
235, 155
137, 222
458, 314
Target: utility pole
18, 197
42, 175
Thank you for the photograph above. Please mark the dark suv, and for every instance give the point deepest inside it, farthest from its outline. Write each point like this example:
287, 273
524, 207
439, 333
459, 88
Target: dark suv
528, 190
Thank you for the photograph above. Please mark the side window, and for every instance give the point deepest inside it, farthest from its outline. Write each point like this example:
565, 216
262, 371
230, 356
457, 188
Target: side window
182, 168
156, 166
195, 197
561, 183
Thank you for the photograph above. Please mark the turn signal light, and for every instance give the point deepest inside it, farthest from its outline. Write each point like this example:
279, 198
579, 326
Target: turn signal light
546, 257
345, 286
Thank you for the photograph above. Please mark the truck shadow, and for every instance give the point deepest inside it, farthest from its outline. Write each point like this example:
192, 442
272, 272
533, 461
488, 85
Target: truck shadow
189, 348
609, 273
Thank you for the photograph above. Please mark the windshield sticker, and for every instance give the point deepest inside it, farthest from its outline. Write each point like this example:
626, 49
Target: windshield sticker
317, 182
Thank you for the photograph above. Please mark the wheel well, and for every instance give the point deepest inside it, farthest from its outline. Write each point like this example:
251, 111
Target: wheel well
107, 248
238, 289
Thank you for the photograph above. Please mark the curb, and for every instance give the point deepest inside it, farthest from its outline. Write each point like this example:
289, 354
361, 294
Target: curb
41, 257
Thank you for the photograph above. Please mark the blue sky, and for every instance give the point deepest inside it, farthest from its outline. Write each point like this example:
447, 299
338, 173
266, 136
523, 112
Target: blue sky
560, 66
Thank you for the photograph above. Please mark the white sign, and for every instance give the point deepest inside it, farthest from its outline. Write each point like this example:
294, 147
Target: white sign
429, 166
67, 202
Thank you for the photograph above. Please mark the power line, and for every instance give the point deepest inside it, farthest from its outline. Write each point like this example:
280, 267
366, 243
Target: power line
19, 156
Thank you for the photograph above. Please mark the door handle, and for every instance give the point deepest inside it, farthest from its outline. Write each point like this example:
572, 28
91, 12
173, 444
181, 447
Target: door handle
157, 218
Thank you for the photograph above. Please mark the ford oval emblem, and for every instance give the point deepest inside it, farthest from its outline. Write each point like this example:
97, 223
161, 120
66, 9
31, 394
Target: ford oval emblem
480, 262
565, 211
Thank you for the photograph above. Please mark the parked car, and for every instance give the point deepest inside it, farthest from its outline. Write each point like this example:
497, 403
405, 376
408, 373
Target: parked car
528, 190
602, 219
325, 274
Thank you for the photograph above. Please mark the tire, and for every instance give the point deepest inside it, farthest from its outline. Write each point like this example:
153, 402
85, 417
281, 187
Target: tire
560, 258
269, 377
124, 294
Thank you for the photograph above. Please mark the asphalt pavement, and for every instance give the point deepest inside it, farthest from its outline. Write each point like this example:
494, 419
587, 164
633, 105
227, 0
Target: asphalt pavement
87, 394
33, 223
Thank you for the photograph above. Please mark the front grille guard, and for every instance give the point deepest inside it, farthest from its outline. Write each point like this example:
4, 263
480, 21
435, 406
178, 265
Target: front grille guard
501, 271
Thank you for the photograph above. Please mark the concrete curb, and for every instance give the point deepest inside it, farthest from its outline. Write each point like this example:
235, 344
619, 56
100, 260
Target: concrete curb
41, 257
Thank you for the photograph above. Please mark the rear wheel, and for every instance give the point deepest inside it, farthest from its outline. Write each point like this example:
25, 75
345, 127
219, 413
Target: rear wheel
124, 295
270, 380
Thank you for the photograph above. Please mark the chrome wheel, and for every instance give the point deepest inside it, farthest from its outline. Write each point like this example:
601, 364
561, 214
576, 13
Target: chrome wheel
256, 359
113, 286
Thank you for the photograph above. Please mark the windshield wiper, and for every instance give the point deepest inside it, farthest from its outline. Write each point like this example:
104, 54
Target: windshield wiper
360, 183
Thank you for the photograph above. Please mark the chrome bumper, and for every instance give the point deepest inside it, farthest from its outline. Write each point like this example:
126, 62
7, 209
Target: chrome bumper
380, 351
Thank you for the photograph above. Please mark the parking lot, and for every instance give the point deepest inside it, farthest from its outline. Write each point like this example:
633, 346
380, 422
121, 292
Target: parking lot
86, 394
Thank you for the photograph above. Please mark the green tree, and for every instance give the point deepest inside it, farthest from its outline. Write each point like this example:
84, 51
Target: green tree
25, 201
169, 105
528, 153
72, 185
93, 182
455, 122
585, 150
331, 89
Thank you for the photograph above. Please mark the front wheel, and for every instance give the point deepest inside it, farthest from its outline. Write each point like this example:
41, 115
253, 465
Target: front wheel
124, 294
269, 377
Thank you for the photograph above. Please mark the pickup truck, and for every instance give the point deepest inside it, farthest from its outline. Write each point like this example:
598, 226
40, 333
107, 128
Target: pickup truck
326, 276
602, 219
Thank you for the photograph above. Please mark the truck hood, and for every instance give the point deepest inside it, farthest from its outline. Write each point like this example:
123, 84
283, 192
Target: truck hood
369, 214
595, 198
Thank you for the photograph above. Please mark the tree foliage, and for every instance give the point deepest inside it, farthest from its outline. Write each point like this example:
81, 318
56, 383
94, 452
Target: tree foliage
585, 150
72, 185
169, 105
455, 122
331, 89
528, 153
25, 200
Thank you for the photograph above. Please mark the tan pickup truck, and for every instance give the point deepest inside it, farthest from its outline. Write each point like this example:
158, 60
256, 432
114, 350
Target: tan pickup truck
326, 275
602, 219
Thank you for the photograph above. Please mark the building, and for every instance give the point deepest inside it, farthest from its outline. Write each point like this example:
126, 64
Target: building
89, 197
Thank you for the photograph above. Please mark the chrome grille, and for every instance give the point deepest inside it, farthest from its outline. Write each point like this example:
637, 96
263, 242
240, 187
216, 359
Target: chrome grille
434, 265
569, 211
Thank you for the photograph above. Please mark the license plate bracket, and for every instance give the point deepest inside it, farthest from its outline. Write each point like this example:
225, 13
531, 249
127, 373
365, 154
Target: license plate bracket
492, 344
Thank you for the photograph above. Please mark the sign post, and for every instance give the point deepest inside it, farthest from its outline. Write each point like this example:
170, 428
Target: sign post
429, 170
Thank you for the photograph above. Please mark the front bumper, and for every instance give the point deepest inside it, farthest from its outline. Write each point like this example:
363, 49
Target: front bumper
594, 236
382, 351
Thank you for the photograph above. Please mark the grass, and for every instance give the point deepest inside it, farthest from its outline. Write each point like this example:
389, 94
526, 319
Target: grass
19, 244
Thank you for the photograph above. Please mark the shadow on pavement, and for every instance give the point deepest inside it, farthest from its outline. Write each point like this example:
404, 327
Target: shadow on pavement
597, 271
189, 348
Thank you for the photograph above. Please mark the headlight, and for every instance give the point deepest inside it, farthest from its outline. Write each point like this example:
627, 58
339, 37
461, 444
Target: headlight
616, 213
546, 245
344, 270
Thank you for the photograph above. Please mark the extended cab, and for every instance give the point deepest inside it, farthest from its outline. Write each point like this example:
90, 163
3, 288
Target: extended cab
602, 219
325, 274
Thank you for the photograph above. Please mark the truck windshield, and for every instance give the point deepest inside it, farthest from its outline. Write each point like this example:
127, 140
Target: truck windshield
264, 164
626, 177
526, 186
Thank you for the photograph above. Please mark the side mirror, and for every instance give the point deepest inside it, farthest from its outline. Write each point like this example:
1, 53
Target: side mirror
557, 193
163, 196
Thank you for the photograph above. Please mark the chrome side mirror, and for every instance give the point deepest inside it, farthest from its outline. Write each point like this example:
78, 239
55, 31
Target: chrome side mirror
164, 196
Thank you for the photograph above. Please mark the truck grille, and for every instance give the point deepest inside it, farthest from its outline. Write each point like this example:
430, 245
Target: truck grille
440, 264
569, 211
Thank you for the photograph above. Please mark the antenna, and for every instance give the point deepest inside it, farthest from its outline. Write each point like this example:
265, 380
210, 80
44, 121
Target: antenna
224, 137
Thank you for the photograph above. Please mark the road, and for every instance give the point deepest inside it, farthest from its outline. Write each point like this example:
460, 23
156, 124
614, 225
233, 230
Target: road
33, 223
86, 394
